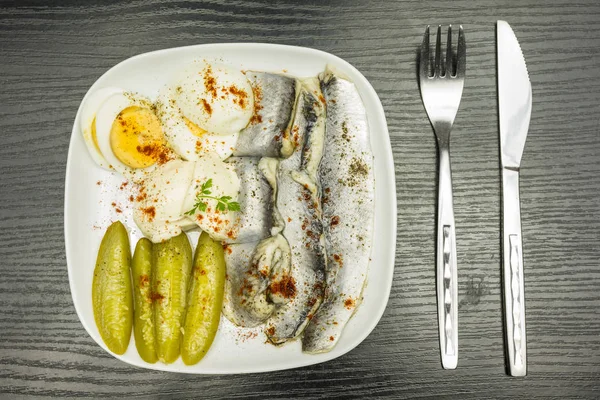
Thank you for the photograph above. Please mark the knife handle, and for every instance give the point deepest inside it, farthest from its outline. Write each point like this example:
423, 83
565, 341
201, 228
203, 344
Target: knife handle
446, 277
514, 289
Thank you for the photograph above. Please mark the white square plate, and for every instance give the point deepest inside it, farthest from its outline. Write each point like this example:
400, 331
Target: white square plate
91, 191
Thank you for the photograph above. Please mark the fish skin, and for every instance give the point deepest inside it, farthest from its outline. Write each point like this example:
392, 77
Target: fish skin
306, 133
251, 268
267, 133
348, 194
299, 207
255, 218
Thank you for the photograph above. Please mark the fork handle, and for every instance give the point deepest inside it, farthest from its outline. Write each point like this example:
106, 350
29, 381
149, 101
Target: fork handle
513, 286
446, 277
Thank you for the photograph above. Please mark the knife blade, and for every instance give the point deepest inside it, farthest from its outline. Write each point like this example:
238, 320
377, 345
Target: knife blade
514, 104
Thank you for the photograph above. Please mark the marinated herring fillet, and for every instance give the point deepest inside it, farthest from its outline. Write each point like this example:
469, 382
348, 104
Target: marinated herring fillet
251, 270
255, 218
348, 192
267, 133
252, 265
298, 206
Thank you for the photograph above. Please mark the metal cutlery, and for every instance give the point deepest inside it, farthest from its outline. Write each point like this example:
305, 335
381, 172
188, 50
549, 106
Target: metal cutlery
514, 103
441, 91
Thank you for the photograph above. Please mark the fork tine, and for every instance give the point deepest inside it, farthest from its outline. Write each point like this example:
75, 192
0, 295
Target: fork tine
424, 63
438, 53
461, 54
449, 68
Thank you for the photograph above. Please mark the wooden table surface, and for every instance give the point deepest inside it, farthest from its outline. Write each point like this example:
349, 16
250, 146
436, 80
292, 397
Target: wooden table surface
50, 54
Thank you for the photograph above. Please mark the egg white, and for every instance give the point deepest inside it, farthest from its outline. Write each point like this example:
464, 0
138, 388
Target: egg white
88, 113
166, 188
227, 116
225, 182
180, 137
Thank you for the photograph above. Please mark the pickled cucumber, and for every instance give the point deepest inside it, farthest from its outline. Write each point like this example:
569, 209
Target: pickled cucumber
205, 299
171, 267
143, 320
112, 298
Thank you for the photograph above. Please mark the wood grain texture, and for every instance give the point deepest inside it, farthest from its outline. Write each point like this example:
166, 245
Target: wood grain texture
50, 54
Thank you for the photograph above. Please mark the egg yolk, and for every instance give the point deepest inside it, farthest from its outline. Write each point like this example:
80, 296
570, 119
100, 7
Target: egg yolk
136, 137
195, 129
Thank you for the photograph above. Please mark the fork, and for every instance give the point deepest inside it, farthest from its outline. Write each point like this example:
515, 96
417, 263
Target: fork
441, 90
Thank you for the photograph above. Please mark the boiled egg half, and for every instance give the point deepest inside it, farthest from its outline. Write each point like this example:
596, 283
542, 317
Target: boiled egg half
123, 133
204, 108
181, 195
218, 222
159, 204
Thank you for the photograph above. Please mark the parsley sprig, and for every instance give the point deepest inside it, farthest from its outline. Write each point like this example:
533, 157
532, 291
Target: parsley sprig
224, 203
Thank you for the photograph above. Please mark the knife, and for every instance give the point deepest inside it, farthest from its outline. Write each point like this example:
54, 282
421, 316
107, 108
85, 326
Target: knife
514, 104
